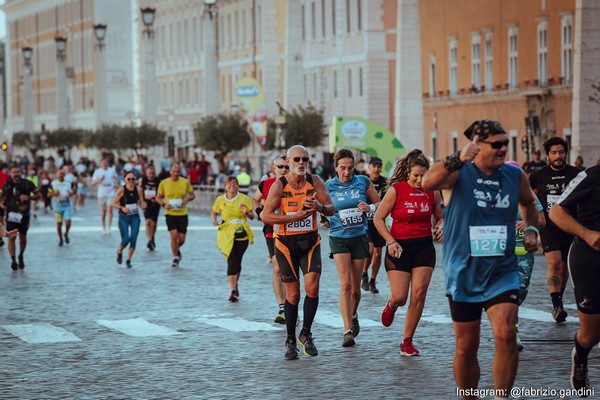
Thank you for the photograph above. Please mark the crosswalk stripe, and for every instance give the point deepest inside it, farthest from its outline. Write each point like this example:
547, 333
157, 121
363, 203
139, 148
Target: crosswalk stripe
238, 324
545, 316
41, 333
335, 320
138, 327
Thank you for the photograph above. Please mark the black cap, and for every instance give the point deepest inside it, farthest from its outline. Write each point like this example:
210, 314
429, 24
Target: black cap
376, 160
484, 129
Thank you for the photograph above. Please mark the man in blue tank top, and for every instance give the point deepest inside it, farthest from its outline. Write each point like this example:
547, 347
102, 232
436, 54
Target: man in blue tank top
482, 196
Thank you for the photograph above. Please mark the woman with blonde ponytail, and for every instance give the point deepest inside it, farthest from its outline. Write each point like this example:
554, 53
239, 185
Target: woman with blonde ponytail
410, 255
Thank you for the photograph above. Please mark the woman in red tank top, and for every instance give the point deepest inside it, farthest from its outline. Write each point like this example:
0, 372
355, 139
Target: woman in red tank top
410, 255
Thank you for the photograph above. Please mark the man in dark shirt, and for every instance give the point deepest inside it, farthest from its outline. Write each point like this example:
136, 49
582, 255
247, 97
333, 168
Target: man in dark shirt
549, 183
536, 164
16, 196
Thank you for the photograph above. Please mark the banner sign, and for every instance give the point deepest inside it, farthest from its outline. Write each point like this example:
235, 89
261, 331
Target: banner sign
251, 102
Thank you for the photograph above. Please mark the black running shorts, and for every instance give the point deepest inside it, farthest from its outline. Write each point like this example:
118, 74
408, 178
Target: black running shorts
177, 222
418, 252
462, 311
298, 252
553, 239
583, 267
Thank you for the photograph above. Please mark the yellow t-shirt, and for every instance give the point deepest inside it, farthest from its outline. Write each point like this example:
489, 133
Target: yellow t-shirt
173, 193
230, 208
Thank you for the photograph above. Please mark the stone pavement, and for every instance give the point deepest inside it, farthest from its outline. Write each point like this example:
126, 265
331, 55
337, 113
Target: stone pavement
75, 325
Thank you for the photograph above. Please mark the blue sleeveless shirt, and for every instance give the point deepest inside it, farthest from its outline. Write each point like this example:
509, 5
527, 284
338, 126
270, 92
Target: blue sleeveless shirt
347, 222
479, 240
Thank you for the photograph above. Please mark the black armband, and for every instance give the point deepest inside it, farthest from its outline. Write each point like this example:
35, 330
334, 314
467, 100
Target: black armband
258, 211
453, 163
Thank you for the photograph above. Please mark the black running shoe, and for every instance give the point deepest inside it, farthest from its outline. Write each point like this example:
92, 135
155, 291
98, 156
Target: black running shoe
291, 351
306, 341
21, 262
14, 265
365, 283
149, 245
66, 238
119, 257
372, 287
280, 317
128, 263
179, 255
579, 373
1, 242
355, 326
175, 262
60, 242
559, 314
348, 339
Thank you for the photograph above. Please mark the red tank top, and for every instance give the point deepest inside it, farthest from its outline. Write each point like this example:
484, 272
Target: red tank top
411, 216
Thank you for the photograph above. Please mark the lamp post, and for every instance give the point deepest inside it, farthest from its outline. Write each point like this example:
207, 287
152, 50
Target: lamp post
1, 96
28, 90
101, 97
211, 93
150, 107
61, 84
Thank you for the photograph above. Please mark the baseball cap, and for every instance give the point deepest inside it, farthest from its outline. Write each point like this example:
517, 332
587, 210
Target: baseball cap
376, 160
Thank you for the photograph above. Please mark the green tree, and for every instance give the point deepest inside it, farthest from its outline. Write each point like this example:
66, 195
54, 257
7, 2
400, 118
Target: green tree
65, 138
31, 141
304, 125
105, 137
222, 133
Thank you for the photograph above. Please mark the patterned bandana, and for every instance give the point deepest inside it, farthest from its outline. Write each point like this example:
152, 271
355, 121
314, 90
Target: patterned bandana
484, 129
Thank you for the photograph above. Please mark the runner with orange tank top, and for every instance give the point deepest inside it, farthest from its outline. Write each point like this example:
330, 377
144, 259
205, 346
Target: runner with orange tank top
292, 205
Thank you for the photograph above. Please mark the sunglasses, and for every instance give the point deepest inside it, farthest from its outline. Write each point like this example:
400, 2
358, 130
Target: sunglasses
283, 166
297, 159
496, 145
130, 179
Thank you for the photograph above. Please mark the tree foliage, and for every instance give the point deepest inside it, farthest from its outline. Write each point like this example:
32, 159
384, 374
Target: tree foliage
222, 133
304, 125
31, 141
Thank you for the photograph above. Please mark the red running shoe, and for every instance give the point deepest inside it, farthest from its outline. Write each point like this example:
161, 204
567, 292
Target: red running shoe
387, 315
408, 349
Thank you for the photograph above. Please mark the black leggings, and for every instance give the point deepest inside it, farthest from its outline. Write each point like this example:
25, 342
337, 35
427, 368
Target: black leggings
234, 262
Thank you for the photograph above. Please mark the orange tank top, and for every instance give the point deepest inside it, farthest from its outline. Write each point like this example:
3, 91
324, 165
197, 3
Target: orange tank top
291, 202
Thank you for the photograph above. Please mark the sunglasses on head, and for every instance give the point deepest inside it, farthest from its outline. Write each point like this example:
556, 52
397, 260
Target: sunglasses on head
283, 166
297, 159
496, 145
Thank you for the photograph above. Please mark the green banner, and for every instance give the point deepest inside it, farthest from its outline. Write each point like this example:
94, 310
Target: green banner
367, 136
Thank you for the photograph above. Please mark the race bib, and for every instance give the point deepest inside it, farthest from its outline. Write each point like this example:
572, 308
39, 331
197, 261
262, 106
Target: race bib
63, 202
107, 183
132, 209
304, 225
175, 204
551, 199
45, 181
351, 217
149, 194
488, 241
14, 217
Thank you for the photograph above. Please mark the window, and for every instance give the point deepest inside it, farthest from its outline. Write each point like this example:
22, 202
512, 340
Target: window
244, 34
432, 75
434, 145
184, 37
489, 61
349, 83
347, 16
454, 142
323, 27
513, 54
542, 34
476, 61
359, 12
303, 24
566, 69
236, 22
453, 63
335, 91
513, 135
360, 82
313, 20
333, 17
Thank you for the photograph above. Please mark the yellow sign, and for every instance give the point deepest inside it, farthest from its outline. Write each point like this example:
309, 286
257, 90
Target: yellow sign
251, 100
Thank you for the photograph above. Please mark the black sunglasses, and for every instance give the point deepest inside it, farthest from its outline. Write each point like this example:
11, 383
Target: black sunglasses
497, 145
283, 166
297, 159
130, 179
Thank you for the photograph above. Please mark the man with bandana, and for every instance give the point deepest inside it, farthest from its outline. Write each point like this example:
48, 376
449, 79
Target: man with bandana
549, 183
482, 196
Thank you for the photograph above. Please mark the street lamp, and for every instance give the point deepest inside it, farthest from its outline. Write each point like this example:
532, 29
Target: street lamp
28, 89
150, 107
1, 96
61, 84
101, 97
211, 93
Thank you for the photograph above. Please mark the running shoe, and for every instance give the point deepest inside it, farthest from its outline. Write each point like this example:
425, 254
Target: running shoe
348, 339
355, 326
306, 341
387, 315
179, 255
280, 318
119, 257
175, 262
234, 296
14, 265
372, 287
66, 238
128, 263
408, 349
291, 351
1, 242
60, 242
519, 343
559, 314
149, 245
579, 373
21, 262
365, 283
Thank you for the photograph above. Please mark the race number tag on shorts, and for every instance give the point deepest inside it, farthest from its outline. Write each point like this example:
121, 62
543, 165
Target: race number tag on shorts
235, 221
371, 215
351, 217
149, 194
14, 217
63, 202
551, 199
488, 241
304, 225
132, 209
175, 204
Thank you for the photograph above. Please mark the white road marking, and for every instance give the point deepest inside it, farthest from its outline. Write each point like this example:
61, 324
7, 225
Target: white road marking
334, 320
98, 229
239, 324
437, 318
41, 333
546, 316
138, 327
